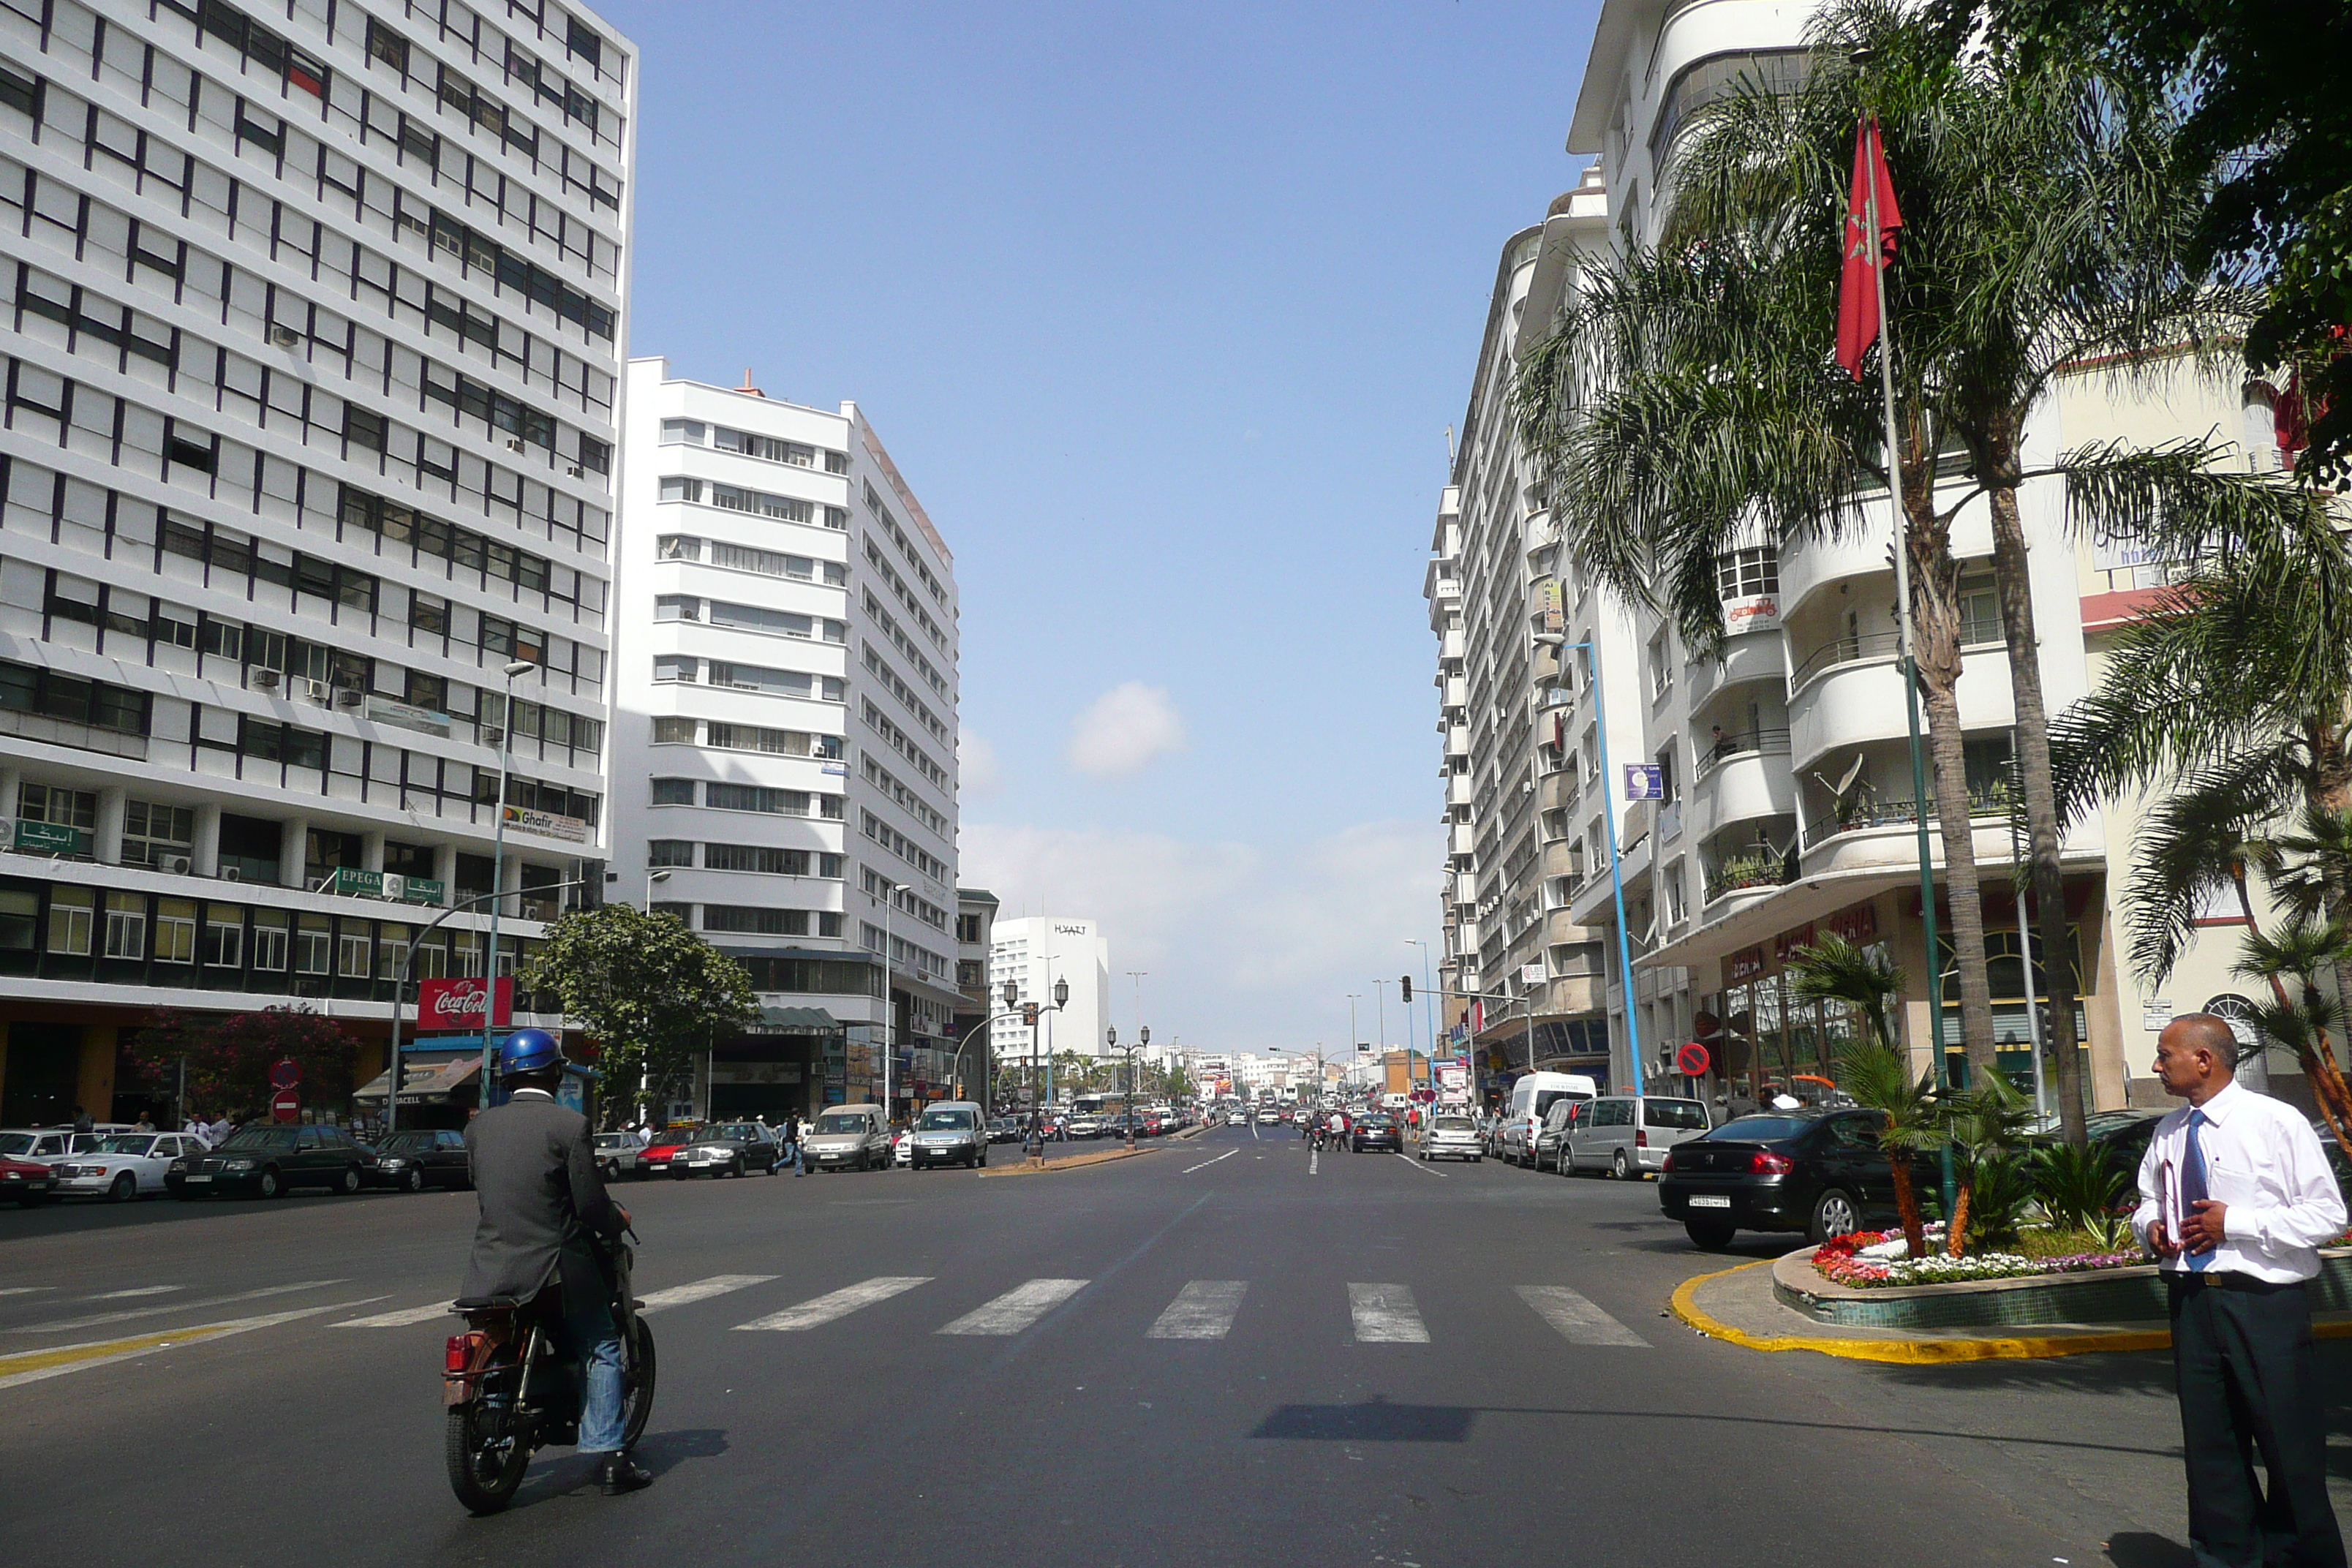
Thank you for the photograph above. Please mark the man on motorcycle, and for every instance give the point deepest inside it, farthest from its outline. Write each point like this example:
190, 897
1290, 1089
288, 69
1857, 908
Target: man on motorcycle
544, 1208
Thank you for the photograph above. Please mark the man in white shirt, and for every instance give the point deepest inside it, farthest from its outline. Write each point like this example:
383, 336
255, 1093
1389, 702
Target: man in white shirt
2235, 1200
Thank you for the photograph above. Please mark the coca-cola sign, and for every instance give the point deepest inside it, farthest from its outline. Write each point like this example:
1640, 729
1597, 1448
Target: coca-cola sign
457, 1004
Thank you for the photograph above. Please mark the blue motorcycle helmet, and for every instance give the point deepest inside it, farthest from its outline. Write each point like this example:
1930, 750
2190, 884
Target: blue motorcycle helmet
529, 1050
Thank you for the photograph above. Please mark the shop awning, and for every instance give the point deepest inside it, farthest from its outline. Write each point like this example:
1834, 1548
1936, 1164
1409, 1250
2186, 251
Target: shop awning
421, 1082
798, 1020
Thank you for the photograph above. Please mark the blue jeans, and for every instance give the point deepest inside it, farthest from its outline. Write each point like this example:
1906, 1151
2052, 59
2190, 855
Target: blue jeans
598, 1344
800, 1160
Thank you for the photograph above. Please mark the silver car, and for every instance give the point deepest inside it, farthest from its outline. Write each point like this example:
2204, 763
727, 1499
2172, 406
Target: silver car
951, 1133
1453, 1138
1628, 1136
849, 1138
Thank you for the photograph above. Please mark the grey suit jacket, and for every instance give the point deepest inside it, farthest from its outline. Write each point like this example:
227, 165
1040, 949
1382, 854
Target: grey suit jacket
541, 1201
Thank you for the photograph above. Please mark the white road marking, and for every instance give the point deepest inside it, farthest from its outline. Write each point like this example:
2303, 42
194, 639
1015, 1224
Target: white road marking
399, 1319
700, 1290
1204, 1310
1418, 1165
1314, 1159
1385, 1314
48, 1366
23, 1290
142, 1290
1206, 1163
95, 1320
1017, 1308
838, 1303
1580, 1322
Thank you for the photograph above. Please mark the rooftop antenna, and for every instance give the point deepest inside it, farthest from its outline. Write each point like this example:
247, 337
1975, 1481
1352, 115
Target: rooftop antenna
1449, 437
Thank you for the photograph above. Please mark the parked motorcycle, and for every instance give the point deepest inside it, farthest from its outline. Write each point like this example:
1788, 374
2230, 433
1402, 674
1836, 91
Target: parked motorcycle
512, 1386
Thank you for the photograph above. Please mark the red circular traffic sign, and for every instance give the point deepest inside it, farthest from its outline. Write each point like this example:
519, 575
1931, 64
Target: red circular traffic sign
1692, 1059
285, 1106
286, 1072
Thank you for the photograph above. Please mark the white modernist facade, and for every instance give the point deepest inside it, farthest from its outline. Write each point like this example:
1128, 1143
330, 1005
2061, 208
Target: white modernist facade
311, 370
1034, 953
1521, 639
1788, 807
785, 738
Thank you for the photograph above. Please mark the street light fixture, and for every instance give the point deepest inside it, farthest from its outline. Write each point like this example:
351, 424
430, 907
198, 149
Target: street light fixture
651, 877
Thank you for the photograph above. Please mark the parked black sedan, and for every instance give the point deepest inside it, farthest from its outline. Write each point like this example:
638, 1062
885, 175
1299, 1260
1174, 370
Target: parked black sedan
270, 1160
421, 1157
1375, 1131
1819, 1171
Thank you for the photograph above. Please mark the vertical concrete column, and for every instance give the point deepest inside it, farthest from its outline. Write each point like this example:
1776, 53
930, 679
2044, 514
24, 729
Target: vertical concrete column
10, 778
372, 851
444, 869
293, 850
203, 853
114, 801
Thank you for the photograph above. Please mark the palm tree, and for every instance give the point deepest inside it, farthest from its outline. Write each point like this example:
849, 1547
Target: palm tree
1872, 1068
1986, 1125
2042, 224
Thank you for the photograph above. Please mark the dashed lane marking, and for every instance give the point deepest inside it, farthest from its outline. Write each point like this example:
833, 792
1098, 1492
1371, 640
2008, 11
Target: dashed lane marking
140, 1290
95, 1320
1314, 1159
1016, 1309
400, 1319
1418, 1165
1204, 1310
1577, 1319
1206, 1163
822, 1310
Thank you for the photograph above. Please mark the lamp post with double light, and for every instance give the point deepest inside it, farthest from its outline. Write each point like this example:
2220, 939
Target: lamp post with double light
1035, 1145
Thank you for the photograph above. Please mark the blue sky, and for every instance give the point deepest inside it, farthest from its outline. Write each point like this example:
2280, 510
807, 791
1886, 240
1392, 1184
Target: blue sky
1163, 311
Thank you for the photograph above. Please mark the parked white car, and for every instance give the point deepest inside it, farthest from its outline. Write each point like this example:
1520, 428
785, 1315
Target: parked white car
125, 1165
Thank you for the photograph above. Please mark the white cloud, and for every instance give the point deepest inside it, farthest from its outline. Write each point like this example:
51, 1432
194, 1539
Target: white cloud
977, 771
1245, 947
1130, 727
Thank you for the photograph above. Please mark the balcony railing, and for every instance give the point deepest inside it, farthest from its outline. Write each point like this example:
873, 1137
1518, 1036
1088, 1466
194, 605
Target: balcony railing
1760, 868
1845, 650
1726, 746
1990, 799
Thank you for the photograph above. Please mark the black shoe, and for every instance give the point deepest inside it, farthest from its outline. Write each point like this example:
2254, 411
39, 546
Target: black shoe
619, 1474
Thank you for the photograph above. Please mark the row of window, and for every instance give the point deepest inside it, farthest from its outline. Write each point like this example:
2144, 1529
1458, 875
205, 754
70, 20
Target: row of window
735, 498
905, 646
750, 920
904, 953
879, 887
31, 689
879, 668
905, 596
681, 730
685, 669
908, 800
749, 618
765, 860
906, 745
744, 558
906, 546
747, 797
798, 454
907, 850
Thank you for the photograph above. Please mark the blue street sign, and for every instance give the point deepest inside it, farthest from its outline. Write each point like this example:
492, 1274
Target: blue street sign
1644, 781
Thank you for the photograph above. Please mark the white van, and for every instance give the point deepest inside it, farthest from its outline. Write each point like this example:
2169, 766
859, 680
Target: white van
1531, 1097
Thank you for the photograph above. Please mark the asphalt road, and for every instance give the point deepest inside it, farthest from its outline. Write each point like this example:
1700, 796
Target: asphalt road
1227, 1352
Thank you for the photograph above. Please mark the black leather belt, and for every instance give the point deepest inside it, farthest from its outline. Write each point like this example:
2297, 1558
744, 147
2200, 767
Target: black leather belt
2227, 1279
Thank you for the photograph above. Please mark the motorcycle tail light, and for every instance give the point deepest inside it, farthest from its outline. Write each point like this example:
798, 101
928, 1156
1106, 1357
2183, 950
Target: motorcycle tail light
460, 1353
1764, 1163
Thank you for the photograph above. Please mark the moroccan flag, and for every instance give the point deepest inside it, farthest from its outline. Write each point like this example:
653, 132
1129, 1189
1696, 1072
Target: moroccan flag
1858, 324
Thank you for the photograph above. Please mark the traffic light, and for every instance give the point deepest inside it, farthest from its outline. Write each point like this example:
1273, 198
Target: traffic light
1029, 1014
1404, 986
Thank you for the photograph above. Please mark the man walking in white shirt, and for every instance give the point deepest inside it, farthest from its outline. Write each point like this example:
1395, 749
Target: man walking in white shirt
2235, 1200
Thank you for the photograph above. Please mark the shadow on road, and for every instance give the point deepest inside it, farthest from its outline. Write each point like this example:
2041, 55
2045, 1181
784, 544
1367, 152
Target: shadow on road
1377, 1422
2137, 1549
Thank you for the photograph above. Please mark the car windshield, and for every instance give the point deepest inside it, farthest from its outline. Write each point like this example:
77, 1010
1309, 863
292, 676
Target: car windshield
1675, 1113
612, 1140
405, 1142
261, 1138
1761, 1129
951, 1121
675, 1135
838, 1124
721, 1134
16, 1142
1372, 1119
126, 1143
1453, 1124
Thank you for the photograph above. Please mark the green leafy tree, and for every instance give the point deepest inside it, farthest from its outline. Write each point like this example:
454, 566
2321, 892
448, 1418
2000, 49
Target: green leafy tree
229, 1055
1688, 398
649, 990
1873, 1069
1180, 1082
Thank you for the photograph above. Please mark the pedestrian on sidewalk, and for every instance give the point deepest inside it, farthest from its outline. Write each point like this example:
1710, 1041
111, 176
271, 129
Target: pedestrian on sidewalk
145, 1123
2235, 1199
82, 1123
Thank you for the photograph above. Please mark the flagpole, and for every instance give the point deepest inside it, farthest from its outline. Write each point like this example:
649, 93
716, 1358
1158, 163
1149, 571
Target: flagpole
1873, 168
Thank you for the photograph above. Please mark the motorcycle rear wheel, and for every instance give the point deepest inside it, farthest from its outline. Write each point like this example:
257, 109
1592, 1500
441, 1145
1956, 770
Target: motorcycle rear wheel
637, 1386
487, 1452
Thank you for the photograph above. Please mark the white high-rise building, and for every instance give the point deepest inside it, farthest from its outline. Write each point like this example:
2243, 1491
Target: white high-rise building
311, 392
784, 739
1035, 953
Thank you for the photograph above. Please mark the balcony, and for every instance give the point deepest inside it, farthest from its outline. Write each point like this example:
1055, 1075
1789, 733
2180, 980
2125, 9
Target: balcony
1750, 785
1869, 833
1848, 694
1749, 871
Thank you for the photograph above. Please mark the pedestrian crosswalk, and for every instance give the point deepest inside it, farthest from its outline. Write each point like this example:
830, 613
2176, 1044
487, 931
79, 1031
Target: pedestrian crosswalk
1376, 1312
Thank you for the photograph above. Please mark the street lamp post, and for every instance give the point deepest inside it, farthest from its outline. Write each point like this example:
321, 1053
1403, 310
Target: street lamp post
1429, 1010
498, 875
1036, 1143
651, 877
890, 1007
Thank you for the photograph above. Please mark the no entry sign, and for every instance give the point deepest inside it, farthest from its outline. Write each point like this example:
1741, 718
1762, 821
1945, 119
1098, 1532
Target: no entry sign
1692, 1059
286, 1105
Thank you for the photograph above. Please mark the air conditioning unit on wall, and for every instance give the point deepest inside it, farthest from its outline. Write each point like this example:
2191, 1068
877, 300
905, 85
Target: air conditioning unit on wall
175, 865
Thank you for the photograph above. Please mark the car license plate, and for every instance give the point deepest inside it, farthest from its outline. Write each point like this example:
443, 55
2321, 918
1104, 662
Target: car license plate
196, 1178
1709, 1201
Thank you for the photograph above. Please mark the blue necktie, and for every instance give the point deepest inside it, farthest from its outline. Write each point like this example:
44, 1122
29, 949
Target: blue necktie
2192, 1188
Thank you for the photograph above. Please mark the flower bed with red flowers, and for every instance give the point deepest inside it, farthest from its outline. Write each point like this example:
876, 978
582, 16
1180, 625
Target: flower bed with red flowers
1874, 1259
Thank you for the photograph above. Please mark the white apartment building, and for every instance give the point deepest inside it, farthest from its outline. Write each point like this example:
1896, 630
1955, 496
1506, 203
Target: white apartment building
1518, 709
1789, 808
1035, 953
785, 735
312, 369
